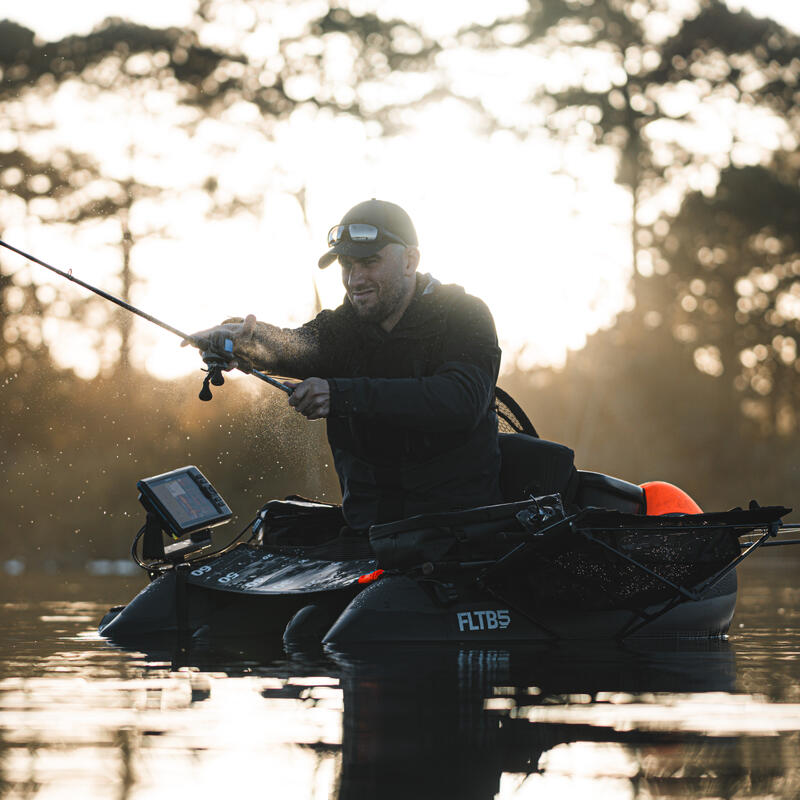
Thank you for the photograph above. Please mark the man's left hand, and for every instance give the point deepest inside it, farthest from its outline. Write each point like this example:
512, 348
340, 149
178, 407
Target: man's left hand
311, 397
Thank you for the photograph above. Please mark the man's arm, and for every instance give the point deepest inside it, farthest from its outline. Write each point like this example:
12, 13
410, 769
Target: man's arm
292, 352
455, 397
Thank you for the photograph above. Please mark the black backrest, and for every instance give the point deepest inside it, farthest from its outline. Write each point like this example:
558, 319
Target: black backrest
534, 466
537, 467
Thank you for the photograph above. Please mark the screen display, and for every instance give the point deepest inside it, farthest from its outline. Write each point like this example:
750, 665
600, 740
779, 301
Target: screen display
182, 499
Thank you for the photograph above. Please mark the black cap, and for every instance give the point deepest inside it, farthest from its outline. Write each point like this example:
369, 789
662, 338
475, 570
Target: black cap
387, 216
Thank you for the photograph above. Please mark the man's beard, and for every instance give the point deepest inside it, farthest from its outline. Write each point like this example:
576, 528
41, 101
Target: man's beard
386, 303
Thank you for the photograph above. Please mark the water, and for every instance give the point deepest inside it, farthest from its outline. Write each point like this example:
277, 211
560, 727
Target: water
80, 718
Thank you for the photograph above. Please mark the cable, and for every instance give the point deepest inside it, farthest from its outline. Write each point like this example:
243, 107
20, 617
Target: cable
164, 566
228, 547
156, 566
134, 556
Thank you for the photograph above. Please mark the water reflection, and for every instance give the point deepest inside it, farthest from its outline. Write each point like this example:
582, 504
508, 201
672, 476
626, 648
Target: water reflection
464, 723
81, 718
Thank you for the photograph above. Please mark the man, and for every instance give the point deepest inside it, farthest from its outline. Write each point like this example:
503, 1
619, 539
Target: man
403, 371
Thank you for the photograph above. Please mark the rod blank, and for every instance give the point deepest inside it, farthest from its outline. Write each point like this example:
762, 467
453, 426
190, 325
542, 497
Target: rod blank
198, 343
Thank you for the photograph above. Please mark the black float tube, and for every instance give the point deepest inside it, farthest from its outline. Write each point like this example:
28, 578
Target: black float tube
215, 361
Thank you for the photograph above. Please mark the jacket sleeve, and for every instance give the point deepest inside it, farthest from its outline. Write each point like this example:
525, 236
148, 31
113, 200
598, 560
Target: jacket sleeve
455, 397
310, 350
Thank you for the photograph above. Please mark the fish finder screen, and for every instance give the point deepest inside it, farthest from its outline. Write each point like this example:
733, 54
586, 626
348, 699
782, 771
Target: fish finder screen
182, 499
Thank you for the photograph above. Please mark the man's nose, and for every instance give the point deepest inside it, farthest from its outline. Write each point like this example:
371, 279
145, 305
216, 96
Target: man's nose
356, 274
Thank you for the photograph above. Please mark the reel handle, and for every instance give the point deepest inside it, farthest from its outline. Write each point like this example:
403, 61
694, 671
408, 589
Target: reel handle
215, 366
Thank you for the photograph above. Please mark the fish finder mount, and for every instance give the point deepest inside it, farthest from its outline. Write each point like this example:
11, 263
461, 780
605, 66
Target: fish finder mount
183, 504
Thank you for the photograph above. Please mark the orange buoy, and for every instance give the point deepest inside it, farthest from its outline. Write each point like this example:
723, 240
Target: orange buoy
664, 498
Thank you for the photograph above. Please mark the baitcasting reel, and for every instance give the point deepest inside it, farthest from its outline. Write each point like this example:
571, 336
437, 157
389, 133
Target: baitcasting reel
215, 366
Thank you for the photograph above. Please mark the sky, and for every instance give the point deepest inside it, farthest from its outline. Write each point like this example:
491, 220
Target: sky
549, 253
51, 19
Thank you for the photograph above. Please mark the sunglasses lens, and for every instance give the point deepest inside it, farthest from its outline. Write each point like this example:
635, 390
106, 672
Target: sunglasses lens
335, 235
363, 233
356, 232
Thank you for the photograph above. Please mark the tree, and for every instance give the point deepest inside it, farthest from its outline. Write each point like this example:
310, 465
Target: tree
713, 223
25, 182
170, 77
732, 294
643, 82
59, 185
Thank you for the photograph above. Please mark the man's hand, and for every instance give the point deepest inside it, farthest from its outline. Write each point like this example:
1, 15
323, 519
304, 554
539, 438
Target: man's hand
234, 337
311, 397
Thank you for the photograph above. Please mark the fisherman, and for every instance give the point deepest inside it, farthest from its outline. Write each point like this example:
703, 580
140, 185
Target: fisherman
403, 372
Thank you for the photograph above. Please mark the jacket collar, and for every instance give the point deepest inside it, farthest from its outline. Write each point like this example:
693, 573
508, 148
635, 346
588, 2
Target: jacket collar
417, 319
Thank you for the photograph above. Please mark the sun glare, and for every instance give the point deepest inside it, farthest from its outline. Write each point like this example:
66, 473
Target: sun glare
500, 215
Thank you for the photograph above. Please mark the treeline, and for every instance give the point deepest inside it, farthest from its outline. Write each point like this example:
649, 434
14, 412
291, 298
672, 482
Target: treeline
630, 404
700, 383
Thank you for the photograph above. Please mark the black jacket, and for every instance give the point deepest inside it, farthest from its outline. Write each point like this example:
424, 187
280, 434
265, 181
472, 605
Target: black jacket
412, 426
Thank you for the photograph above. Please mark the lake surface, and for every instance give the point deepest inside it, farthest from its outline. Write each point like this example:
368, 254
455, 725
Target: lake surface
82, 719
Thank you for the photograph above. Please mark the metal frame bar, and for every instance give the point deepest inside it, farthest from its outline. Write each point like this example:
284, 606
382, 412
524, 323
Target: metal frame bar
715, 579
779, 543
722, 526
645, 619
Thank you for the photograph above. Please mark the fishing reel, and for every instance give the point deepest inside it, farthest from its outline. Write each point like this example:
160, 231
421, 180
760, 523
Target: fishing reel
216, 364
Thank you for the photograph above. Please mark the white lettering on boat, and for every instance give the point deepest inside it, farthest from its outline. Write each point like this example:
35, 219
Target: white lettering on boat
487, 620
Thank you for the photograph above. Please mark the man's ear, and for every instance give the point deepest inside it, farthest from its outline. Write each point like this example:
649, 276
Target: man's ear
413, 259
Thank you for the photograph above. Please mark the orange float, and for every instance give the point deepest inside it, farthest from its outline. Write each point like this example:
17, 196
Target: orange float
665, 498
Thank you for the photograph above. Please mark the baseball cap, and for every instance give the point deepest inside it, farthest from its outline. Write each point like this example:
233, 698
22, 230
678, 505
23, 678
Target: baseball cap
367, 228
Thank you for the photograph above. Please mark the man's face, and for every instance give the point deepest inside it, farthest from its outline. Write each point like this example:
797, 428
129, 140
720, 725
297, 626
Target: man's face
378, 285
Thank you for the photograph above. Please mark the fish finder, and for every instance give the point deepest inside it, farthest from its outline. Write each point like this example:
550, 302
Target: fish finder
180, 503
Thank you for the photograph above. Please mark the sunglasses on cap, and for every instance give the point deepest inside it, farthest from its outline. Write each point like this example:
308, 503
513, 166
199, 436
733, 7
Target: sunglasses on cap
360, 232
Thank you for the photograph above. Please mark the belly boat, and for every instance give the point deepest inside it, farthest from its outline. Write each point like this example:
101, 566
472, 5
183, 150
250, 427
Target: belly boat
619, 561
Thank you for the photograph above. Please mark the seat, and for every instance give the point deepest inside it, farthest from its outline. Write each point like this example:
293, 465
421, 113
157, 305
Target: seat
531, 466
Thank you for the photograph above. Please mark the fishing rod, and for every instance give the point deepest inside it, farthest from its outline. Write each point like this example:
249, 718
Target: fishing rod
216, 362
